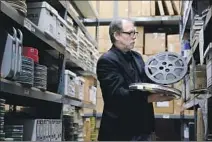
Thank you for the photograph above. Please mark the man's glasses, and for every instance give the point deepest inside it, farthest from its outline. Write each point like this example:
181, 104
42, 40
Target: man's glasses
132, 34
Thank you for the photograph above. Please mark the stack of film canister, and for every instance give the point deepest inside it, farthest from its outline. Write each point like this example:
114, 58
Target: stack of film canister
68, 128
40, 77
27, 71
40, 71
32, 53
14, 132
2, 113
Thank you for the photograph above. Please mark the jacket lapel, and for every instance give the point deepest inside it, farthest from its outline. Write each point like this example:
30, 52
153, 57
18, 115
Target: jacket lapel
140, 65
123, 62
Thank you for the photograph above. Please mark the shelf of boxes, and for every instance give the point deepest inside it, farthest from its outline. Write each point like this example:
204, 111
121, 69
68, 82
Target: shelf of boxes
43, 26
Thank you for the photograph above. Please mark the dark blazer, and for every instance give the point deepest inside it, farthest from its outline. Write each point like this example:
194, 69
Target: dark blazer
126, 113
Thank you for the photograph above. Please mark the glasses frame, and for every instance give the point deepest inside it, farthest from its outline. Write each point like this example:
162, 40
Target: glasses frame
132, 34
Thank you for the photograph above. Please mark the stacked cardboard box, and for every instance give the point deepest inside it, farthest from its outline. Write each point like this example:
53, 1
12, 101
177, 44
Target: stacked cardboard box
104, 39
136, 8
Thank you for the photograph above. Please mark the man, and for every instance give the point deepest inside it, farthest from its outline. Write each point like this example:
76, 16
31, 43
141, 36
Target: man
127, 115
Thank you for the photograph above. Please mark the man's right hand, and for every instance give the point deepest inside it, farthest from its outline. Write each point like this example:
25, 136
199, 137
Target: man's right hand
159, 98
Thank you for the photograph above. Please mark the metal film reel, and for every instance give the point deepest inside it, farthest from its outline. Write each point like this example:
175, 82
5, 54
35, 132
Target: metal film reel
156, 89
166, 68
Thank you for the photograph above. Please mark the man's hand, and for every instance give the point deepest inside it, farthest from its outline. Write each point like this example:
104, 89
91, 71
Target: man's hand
159, 98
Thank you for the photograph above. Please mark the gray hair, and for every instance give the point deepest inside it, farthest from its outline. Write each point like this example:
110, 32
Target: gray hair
116, 26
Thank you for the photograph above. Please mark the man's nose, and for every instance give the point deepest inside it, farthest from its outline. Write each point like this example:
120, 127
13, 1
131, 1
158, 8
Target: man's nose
134, 37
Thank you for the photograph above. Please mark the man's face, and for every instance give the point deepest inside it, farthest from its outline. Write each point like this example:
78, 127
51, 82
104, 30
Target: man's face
128, 35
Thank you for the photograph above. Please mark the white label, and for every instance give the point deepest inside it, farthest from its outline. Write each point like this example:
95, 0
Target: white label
27, 24
162, 104
186, 133
165, 18
166, 116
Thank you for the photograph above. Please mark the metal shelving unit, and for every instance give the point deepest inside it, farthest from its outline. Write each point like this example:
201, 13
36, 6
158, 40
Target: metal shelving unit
199, 97
16, 88
152, 20
31, 27
70, 10
48, 104
160, 116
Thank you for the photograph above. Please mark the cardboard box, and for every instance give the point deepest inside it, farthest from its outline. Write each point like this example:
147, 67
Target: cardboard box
106, 9
104, 45
153, 4
99, 105
141, 8
104, 32
154, 43
99, 92
173, 43
145, 57
177, 108
92, 31
145, 8
140, 38
94, 5
87, 130
135, 8
89, 81
123, 9
164, 107
139, 50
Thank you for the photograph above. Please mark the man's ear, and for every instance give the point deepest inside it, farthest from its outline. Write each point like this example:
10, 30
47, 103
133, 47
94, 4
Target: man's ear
117, 35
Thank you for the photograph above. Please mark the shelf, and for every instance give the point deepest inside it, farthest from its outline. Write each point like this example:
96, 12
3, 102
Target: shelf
87, 73
77, 20
186, 19
77, 102
160, 116
172, 116
88, 105
85, 8
152, 20
195, 100
31, 27
14, 88
199, 91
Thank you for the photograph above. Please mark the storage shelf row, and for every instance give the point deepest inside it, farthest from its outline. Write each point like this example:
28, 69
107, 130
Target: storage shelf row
66, 4
200, 47
151, 20
197, 83
16, 89
160, 116
33, 29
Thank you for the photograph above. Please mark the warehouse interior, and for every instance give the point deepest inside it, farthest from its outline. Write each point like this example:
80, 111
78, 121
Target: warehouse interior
49, 90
